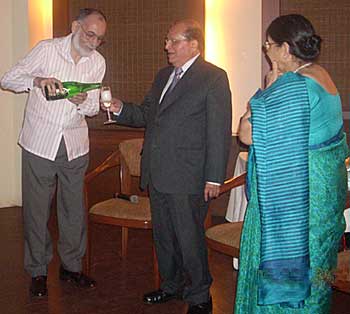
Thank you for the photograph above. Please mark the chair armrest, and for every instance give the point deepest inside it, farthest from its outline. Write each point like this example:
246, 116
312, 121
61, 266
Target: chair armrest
113, 160
347, 162
233, 183
347, 202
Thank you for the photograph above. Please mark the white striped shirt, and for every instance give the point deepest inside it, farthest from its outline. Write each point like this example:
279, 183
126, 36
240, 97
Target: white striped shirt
45, 122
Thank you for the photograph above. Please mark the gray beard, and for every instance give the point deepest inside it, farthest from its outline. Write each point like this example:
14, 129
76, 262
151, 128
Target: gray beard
81, 51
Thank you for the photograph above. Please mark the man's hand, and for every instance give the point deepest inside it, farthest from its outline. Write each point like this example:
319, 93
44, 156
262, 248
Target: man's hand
50, 82
211, 191
78, 99
116, 105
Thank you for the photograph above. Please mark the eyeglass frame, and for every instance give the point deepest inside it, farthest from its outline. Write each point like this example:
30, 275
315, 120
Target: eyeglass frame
267, 45
91, 35
174, 41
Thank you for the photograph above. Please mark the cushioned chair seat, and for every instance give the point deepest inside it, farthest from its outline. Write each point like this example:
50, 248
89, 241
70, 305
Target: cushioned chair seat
123, 209
227, 236
342, 273
343, 269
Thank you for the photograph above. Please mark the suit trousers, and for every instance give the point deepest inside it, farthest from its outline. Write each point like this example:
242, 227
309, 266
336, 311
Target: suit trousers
40, 177
179, 237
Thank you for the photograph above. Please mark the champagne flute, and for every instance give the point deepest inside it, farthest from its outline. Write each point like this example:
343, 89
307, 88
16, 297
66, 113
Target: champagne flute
106, 99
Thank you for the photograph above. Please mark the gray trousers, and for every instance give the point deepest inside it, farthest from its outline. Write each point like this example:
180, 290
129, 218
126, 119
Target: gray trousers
179, 238
39, 180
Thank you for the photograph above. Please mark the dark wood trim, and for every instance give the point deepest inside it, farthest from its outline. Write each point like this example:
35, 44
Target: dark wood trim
222, 248
196, 10
129, 223
270, 10
60, 17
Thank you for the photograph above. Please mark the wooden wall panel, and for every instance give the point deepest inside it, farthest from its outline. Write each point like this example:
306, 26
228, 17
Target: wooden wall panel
61, 19
270, 10
332, 23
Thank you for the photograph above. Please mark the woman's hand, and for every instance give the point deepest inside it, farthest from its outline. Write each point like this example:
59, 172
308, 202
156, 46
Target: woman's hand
273, 75
245, 128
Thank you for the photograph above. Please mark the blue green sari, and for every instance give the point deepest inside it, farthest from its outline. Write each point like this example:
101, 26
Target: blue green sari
296, 190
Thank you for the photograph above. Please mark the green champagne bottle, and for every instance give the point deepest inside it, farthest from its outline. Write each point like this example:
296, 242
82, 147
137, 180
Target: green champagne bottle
71, 89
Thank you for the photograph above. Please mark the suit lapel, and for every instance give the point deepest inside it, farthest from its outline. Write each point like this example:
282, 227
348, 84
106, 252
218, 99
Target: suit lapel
181, 87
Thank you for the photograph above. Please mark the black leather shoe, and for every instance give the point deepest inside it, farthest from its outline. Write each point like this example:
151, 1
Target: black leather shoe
78, 278
38, 288
202, 308
158, 296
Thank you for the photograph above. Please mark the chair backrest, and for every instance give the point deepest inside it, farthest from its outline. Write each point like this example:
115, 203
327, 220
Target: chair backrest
130, 160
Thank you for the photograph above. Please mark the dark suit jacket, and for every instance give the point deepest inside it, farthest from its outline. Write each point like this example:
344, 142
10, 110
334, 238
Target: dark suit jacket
188, 135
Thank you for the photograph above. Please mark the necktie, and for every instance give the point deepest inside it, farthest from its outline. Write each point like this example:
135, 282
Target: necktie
176, 78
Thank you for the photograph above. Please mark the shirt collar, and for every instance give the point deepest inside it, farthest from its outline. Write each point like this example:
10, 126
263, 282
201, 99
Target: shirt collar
187, 65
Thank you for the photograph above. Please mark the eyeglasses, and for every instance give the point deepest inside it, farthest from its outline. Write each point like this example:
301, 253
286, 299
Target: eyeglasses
173, 41
92, 36
267, 45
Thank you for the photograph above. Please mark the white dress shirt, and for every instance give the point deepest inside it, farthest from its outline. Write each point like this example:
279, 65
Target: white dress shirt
45, 122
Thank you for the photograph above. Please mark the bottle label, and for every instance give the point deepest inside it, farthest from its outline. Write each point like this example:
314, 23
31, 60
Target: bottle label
64, 92
59, 95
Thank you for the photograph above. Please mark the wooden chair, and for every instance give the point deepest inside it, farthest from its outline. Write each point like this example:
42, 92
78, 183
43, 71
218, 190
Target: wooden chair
225, 238
120, 212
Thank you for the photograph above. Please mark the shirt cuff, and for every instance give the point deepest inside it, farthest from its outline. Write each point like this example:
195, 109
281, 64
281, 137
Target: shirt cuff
30, 83
119, 112
214, 183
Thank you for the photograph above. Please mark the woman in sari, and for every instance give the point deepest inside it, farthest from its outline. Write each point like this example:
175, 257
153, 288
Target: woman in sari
296, 179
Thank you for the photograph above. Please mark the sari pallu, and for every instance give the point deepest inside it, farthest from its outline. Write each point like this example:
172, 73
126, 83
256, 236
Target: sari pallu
280, 131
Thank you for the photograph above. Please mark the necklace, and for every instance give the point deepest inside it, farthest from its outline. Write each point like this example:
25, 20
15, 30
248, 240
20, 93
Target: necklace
302, 67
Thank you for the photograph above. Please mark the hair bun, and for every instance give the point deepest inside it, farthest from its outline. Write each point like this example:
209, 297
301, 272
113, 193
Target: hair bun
309, 47
298, 32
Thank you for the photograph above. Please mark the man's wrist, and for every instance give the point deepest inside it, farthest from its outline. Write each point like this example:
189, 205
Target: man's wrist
120, 110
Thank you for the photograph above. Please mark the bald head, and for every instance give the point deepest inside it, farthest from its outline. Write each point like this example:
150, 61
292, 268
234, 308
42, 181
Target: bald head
84, 13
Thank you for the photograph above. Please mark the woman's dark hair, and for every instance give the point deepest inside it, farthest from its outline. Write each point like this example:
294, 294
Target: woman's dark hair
298, 32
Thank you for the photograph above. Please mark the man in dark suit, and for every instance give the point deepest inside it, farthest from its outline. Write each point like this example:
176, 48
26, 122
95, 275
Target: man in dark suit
187, 116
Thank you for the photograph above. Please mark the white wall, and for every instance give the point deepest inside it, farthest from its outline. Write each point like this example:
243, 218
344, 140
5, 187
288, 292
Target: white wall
39, 20
233, 41
14, 45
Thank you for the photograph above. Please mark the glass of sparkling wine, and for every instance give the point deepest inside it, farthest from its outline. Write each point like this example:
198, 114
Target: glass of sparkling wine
106, 99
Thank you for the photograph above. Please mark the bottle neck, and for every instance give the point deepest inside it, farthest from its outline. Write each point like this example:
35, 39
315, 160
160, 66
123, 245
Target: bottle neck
86, 87
81, 86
